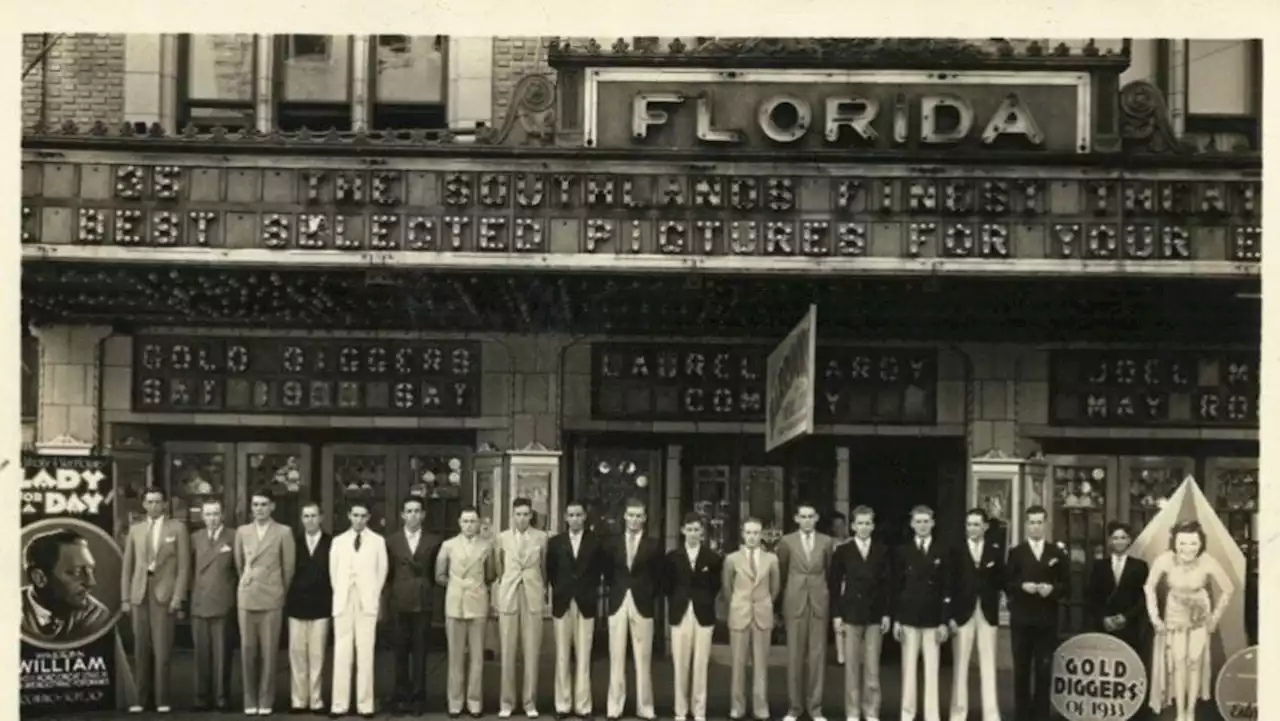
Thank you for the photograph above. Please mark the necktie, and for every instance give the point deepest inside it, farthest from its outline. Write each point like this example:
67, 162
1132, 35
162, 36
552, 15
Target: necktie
751, 558
574, 540
631, 549
151, 538
808, 544
920, 544
1116, 567
357, 541
863, 549
975, 552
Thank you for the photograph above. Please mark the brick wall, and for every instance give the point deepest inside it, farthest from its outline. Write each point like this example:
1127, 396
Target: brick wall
81, 79
513, 58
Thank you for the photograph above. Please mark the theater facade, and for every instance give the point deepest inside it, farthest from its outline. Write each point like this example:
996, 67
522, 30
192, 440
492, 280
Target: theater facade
1028, 291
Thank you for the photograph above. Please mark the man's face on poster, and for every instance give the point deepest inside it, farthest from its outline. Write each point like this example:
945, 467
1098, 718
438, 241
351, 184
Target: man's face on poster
71, 580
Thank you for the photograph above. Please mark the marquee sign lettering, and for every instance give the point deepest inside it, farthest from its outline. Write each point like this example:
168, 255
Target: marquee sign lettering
180, 374
1149, 388
847, 218
707, 382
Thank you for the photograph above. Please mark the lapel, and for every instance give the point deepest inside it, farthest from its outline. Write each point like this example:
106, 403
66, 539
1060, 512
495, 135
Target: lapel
744, 566
251, 554
207, 551
466, 553
797, 551
584, 547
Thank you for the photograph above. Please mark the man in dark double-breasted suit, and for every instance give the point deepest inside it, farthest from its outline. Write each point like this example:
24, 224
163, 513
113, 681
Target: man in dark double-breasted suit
922, 609
213, 601
977, 581
691, 581
573, 570
409, 590
1036, 577
633, 563
860, 577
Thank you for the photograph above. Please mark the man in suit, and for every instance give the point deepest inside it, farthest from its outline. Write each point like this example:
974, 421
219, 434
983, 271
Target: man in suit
632, 565
1116, 598
308, 605
690, 583
804, 558
213, 600
265, 558
358, 571
751, 583
1036, 577
922, 605
977, 580
154, 577
573, 570
520, 555
860, 579
465, 567
410, 586
1117, 604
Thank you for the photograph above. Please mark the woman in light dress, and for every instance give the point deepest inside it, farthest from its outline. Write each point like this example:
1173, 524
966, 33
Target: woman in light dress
1180, 653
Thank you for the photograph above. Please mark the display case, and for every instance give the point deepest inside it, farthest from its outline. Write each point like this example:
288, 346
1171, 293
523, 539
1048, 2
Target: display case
1081, 497
532, 472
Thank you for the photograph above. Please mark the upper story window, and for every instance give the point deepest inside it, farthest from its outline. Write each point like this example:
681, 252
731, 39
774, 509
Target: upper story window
1224, 88
313, 82
216, 81
407, 81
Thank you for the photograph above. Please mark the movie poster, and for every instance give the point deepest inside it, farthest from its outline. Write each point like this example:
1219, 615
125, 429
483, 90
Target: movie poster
70, 585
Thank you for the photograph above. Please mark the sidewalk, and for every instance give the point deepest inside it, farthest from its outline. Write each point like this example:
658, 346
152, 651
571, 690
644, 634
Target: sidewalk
717, 684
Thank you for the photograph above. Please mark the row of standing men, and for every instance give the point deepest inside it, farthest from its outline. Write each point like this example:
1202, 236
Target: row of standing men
922, 592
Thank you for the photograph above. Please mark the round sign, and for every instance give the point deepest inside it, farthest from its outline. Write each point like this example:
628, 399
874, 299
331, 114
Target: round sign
1237, 688
1097, 677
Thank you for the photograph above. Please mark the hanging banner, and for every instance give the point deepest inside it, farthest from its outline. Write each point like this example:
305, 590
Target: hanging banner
70, 585
1097, 677
790, 379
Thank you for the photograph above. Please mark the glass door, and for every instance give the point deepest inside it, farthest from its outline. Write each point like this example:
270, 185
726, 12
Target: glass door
384, 475
197, 471
1149, 482
1081, 498
281, 469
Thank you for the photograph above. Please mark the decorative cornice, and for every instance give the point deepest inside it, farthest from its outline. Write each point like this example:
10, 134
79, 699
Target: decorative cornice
842, 53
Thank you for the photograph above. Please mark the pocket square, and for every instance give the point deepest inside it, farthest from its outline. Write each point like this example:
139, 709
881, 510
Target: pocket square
1053, 562
990, 564
937, 561
169, 539
225, 549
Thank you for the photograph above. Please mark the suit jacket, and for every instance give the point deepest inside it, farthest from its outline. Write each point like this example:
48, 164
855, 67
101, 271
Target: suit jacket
362, 572
977, 583
1127, 598
804, 577
411, 574
641, 579
265, 566
520, 568
213, 580
172, 562
310, 595
860, 586
1022, 567
574, 579
465, 570
692, 585
751, 594
922, 585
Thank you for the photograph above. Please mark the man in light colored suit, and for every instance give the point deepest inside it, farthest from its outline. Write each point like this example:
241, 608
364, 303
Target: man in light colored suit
213, 599
803, 559
751, 583
521, 557
465, 568
265, 559
358, 571
154, 577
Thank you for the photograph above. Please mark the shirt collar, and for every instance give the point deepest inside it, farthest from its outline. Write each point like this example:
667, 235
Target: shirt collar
214, 532
44, 616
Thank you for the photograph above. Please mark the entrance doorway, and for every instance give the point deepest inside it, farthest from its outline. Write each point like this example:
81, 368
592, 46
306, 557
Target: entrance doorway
893, 475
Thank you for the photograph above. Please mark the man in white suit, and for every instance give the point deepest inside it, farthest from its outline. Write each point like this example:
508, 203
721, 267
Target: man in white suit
751, 583
357, 570
522, 588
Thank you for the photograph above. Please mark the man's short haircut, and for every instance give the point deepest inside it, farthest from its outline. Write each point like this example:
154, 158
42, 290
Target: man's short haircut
263, 492
690, 517
212, 502
1035, 510
576, 502
921, 509
867, 511
805, 504
355, 503
404, 504
636, 503
310, 504
155, 491
522, 502
468, 509
43, 551
753, 519
1113, 526
980, 513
